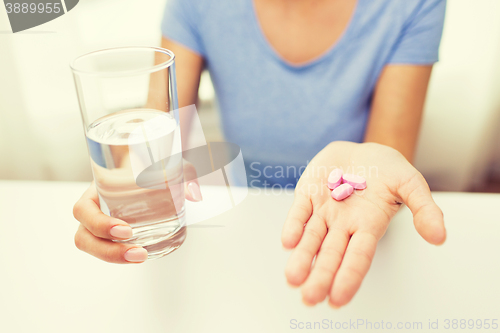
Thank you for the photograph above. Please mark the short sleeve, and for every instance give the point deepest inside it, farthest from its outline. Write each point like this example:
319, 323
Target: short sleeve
181, 24
420, 37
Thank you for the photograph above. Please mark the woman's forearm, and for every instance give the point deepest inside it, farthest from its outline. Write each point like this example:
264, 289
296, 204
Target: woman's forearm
188, 66
397, 107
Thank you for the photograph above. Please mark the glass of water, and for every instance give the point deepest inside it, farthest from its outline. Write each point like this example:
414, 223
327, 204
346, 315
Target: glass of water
128, 103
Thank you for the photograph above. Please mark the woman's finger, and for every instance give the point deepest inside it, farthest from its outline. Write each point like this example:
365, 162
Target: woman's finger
191, 185
427, 216
299, 263
325, 267
87, 211
356, 263
107, 250
298, 215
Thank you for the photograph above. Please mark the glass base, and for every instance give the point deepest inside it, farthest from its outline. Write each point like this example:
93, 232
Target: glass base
166, 246
159, 238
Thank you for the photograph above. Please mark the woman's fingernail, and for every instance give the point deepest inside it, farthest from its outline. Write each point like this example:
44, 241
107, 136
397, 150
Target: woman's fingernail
121, 231
136, 254
194, 189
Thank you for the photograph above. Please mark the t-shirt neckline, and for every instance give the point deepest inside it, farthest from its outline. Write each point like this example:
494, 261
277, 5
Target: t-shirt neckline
344, 37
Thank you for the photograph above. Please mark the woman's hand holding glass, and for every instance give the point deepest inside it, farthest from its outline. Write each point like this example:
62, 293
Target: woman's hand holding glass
97, 230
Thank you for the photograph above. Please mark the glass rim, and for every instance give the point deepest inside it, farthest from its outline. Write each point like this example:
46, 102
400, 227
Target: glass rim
152, 69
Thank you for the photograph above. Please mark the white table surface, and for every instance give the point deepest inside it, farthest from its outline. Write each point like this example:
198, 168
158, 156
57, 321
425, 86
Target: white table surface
228, 275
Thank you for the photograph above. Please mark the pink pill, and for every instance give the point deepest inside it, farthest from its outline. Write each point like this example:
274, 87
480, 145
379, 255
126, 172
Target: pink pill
359, 183
342, 192
335, 178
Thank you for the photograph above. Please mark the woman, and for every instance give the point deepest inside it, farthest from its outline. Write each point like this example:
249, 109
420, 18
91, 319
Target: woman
306, 82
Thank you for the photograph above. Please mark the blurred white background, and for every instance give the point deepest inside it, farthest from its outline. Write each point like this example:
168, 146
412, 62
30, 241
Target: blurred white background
41, 135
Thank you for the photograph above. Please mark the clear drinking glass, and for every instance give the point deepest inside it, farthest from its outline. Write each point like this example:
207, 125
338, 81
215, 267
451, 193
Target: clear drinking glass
128, 103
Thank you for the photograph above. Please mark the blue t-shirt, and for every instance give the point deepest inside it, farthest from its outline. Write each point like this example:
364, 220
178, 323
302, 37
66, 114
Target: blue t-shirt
282, 115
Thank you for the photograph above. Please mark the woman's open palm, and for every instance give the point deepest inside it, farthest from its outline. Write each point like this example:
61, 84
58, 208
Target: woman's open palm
343, 235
